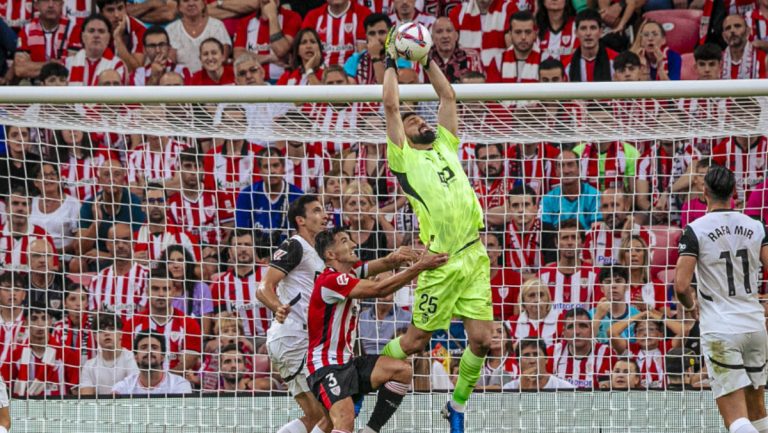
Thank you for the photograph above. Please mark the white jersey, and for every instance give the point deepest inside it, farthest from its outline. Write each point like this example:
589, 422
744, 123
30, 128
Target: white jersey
301, 265
171, 384
727, 247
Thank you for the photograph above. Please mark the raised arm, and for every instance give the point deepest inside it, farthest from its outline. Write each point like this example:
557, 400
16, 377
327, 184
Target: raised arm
391, 96
379, 289
446, 114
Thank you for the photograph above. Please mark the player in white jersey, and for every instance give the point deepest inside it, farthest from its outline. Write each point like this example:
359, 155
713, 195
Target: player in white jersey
728, 252
286, 290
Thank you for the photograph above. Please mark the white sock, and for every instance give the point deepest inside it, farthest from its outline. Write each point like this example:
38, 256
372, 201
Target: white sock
458, 407
761, 425
295, 426
317, 429
367, 429
742, 425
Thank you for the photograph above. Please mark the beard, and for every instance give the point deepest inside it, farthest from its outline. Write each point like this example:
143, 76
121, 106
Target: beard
426, 137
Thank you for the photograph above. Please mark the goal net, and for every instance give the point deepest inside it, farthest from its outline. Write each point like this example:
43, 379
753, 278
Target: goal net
122, 216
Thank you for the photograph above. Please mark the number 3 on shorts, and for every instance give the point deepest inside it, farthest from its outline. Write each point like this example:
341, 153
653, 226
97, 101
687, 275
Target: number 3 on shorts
427, 303
331, 379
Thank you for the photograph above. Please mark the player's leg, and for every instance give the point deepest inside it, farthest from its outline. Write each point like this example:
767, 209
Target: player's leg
479, 334
343, 416
733, 409
756, 408
315, 419
392, 377
755, 358
334, 388
5, 409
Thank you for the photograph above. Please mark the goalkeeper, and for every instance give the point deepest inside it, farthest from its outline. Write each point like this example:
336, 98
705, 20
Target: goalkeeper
426, 164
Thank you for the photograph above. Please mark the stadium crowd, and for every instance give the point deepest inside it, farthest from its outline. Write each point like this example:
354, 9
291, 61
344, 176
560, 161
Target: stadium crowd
129, 255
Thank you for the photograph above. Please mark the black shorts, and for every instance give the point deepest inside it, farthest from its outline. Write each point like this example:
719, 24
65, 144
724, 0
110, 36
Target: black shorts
336, 382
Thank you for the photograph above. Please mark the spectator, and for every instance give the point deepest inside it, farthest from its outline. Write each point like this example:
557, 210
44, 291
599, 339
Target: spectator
492, 184
304, 164
306, 60
499, 368
757, 22
453, 60
153, 377
110, 77
232, 12
195, 26
227, 330
14, 318
19, 166
264, 205
741, 61
519, 63
18, 233
157, 59
572, 199
188, 294
756, 205
615, 307
538, 317
249, 71
368, 229
37, 368
120, 288
127, 33
73, 336
533, 164
268, 33
577, 357
115, 203
53, 74
645, 290
556, 24
524, 241
46, 281
186, 343
334, 183
615, 18
155, 161
745, 157
482, 25
339, 24
682, 366
607, 164
367, 66
534, 374
234, 375
627, 67
405, 11
8, 46
654, 172
54, 210
625, 375
153, 12
382, 322
95, 56
194, 209
79, 157
571, 283
112, 363
658, 60
592, 60
235, 290
505, 282
48, 37
695, 206
214, 72
650, 347
709, 62
157, 235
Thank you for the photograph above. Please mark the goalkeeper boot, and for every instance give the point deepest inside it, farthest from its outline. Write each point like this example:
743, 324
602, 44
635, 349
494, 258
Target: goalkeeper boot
454, 417
358, 401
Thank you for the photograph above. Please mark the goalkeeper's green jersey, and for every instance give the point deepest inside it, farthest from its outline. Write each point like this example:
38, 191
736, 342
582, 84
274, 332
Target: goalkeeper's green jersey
449, 213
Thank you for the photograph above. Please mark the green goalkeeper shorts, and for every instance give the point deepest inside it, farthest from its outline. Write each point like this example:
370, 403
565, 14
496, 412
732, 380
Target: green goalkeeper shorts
460, 288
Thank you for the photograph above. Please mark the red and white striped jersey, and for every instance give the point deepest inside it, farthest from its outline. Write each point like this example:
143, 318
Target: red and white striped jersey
505, 292
155, 165
78, 8
236, 294
43, 46
653, 293
182, 334
750, 66
545, 329
79, 176
198, 217
332, 319
307, 172
651, 363
536, 170
227, 174
708, 111
13, 250
602, 247
29, 369
339, 34
561, 44
329, 118
484, 33
523, 248
419, 18
12, 333
133, 36
16, 13
76, 345
495, 194
121, 294
579, 289
581, 372
748, 165
83, 72
253, 35
655, 167
759, 25
506, 68
142, 74
157, 243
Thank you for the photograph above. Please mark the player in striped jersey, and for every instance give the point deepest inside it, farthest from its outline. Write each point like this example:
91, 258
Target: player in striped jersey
336, 376
340, 26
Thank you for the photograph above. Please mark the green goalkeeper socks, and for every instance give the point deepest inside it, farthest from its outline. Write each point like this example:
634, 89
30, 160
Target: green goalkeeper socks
470, 367
394, 350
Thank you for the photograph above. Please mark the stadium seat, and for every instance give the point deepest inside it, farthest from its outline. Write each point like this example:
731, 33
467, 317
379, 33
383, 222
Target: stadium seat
687, 71
681, 26
665, 251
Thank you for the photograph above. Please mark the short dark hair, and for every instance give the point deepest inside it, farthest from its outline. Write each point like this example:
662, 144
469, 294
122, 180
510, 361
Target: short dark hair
53, 69
708, 51
607, 272
407, 114
212, 40
720, 182
159, 273
531, 342
472, 74
105, 320
240, 232
570, 223
524, 15
326, 238
575, 312
551, 63
232, 347
102, 3
13, 279
149, 334
624, 59
95, 17
588, 15
523, 189
299, 208
480, 146
375, 18
190, 155
154, 30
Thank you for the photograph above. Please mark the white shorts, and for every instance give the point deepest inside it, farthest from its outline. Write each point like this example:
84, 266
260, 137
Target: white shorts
288, 355
735, 361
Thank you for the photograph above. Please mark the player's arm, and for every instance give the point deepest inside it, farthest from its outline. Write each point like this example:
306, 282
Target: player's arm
391, 97
284, 260
686, 266
392, 261
267, 292
379, 289
446, 114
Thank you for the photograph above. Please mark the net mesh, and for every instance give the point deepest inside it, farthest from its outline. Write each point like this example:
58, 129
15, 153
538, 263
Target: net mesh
97, 198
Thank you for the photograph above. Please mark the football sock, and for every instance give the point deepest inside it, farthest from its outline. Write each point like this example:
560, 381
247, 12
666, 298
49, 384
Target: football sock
390, 397
742, 425
394, 350
317, 429
295, 426
761, 425
339, 431
470, 367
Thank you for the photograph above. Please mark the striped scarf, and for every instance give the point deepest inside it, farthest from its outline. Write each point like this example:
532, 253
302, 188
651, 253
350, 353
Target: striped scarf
613, 170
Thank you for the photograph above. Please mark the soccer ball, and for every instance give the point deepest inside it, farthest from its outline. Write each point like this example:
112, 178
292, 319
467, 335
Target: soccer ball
413, 41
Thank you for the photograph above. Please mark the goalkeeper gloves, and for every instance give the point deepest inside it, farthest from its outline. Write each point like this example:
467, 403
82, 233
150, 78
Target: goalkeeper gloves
390, 56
